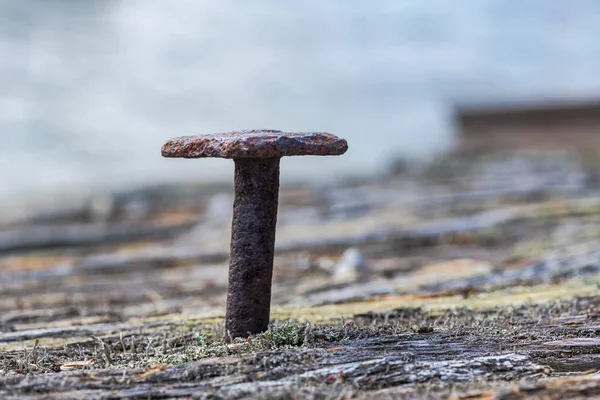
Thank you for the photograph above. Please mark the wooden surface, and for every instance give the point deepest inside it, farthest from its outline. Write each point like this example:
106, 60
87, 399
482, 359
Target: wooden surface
467, 294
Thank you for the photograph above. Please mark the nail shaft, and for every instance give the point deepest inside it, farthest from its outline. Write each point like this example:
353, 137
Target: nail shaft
256, 185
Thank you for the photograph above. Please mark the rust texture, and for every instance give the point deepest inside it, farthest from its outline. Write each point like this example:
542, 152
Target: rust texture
252, 246
256, 154
255, 144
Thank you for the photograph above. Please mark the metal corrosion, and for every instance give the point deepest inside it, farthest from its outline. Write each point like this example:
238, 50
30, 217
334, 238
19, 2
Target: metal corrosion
256, 154
252, 246
255, 144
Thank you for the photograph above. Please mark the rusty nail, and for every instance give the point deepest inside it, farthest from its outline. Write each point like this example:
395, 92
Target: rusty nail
256, 154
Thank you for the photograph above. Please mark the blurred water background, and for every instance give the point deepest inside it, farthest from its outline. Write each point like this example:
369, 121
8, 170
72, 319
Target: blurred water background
89, 90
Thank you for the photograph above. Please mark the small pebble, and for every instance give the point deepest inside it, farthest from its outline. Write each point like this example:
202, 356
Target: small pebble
352, 267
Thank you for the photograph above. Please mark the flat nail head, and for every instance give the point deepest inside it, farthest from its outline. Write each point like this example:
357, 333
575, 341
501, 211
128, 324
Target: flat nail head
255, 144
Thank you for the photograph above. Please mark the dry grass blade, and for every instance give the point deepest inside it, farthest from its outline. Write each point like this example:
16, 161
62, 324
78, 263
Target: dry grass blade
70, 366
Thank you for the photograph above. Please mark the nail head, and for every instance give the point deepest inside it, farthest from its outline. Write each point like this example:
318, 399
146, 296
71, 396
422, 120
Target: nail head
257, 143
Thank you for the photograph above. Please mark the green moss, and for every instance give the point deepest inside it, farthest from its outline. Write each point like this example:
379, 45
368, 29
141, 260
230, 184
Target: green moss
283, 335
197, 348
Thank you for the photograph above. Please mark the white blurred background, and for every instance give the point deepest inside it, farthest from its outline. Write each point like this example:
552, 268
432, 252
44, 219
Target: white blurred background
89, 90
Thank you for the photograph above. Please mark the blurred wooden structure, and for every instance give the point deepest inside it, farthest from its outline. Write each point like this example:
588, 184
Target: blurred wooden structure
565, 125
